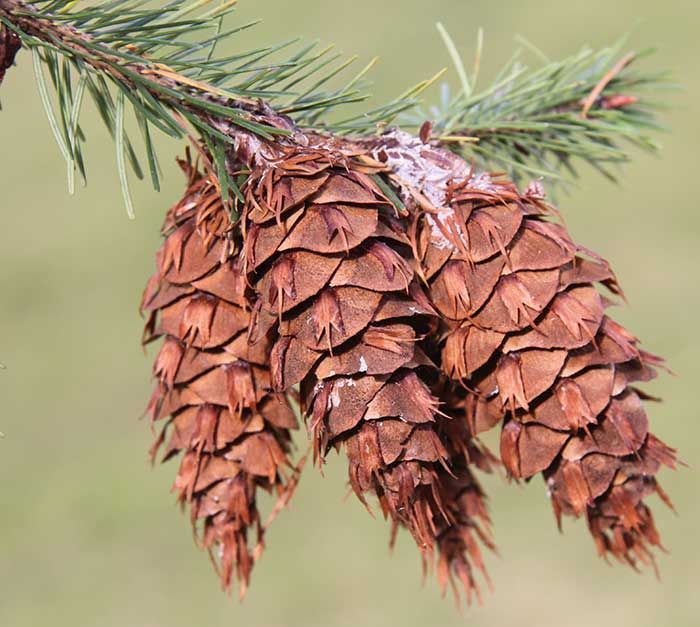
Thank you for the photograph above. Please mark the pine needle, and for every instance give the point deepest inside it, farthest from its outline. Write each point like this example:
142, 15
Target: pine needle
48, 107
456, 59
121, 164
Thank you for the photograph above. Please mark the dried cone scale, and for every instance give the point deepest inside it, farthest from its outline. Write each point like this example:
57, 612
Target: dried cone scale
213, 393
524, 327
326, 252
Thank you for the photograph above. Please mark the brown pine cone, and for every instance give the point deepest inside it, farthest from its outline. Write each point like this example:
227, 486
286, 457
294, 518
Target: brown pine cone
214, 389
524, 327
326, 250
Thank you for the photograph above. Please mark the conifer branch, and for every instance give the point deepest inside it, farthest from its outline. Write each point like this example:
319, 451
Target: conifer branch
163, 62
538, 122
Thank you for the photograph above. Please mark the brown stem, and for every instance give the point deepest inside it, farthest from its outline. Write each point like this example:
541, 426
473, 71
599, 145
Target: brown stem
249, 148
26, 19
603, 83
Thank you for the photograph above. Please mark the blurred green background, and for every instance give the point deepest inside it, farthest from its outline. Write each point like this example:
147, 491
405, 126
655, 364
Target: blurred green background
90, 535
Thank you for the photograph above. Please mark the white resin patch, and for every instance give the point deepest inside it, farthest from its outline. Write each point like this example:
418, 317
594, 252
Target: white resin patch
428, 170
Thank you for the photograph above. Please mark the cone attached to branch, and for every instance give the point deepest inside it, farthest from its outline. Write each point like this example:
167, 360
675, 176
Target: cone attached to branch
409, 326
407, 303
524, 327
329, 258
214, 391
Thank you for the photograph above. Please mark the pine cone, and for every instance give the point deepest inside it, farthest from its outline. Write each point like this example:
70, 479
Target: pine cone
524, 327
212, 386
326, 250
